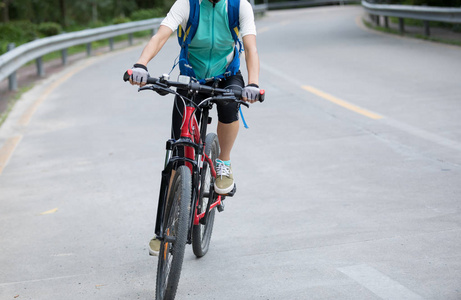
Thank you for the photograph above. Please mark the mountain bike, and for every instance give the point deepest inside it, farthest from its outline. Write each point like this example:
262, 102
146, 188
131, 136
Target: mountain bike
187, 201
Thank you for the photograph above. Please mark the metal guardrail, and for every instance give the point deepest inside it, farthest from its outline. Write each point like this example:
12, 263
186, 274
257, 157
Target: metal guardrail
260, 8
17, 57
306, 3
424, 13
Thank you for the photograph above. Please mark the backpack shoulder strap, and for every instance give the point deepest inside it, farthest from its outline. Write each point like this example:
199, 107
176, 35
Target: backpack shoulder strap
233, 11
186, 34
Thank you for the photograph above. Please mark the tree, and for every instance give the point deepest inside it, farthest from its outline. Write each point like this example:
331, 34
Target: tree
63, 8
5, 14
94, 11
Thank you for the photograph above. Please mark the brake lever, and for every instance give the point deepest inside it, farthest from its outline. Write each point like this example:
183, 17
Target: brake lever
145, 87
224, 98
159, 88
229, 97
241, 102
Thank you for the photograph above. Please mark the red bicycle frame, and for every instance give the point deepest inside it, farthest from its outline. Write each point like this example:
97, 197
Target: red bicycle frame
190, 129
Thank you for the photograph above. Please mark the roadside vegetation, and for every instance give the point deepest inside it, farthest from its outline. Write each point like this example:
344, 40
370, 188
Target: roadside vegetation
419, 23
22, 21
371, 25
443, 3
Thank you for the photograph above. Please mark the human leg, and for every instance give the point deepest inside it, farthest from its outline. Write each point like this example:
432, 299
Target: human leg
228, 125
227, 134
227, 130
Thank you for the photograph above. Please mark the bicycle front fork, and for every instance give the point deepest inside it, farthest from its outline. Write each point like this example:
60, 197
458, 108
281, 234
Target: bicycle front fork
169, 151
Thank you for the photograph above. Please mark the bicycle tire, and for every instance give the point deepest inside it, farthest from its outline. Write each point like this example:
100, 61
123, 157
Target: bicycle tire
176, 224
201, 234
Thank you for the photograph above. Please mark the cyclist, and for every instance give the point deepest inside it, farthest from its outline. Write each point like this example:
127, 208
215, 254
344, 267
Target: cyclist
209, 55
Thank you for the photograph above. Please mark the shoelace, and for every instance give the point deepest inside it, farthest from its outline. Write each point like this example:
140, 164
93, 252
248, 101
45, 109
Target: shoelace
222, 169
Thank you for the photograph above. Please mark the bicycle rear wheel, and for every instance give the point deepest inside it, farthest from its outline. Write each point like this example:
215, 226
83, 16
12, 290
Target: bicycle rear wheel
175, 229
201, 234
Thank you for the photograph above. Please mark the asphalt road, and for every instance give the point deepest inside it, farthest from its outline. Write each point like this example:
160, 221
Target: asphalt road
349, 176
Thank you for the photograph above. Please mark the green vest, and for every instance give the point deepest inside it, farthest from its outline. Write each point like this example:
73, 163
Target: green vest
213, 41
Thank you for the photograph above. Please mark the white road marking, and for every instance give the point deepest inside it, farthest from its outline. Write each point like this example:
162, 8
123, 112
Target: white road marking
39, 280
378, 283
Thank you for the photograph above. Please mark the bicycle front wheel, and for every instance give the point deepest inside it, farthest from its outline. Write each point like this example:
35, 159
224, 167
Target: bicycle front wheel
176, 223
201, 233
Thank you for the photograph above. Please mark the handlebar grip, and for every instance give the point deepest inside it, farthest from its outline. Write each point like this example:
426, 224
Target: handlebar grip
262, 95
127, 75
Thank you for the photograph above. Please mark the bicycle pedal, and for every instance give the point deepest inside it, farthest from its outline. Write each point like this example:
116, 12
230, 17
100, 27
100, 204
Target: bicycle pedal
232, 193
220, 207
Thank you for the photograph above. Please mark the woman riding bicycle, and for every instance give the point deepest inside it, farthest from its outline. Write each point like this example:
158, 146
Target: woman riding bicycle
211, 51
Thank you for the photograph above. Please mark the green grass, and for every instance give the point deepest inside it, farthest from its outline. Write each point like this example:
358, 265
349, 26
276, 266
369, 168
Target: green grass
12, 100
418, 36
420, 23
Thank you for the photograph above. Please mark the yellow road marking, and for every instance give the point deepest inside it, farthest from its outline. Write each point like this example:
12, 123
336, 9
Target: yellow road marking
7, 150
27, 115
25, 118
342, 103
51, 211
10, 145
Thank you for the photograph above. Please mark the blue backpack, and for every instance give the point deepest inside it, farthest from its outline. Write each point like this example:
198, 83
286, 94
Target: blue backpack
186, 35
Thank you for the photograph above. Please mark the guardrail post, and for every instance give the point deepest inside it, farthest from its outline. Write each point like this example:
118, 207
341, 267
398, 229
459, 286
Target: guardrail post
12, 81
386, 22
40, 69
130, 39
427, 30
111, 44
401, 25
377, 20
88, 49
64, 56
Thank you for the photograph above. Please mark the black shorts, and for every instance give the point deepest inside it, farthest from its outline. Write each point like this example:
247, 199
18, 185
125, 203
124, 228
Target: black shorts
227, 113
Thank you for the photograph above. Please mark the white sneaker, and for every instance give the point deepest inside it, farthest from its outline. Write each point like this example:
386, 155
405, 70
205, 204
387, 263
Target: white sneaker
154, 246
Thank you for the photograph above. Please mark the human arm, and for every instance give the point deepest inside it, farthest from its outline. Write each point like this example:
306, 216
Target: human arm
178, 15
151, 49
251, 58
248, 33
252, 63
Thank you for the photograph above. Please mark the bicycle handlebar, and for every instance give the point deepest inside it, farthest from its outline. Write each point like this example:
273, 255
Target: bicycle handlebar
194, 87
